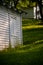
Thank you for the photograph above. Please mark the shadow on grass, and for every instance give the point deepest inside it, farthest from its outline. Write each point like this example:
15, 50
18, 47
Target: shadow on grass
31, 57
32, 35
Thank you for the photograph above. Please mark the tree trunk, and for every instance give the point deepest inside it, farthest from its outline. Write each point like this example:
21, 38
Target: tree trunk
36, 10
15, 2
40, 7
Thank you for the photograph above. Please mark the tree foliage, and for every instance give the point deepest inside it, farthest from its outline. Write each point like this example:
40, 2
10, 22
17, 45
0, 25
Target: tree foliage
22, 3
17, 3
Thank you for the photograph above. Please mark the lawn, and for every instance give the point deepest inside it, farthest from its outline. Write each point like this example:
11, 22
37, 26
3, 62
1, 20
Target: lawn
31, 52
32, 32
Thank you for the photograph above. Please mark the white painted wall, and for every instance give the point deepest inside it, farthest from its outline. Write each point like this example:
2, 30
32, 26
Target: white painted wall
19, 29
13, 31
4, 28
15, 28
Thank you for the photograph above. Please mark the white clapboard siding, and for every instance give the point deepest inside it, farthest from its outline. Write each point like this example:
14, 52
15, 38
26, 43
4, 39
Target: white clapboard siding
4, 29
19, 29
15, 29
10, 28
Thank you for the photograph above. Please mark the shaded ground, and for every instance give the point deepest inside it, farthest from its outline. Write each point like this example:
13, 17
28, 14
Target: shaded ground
25, 55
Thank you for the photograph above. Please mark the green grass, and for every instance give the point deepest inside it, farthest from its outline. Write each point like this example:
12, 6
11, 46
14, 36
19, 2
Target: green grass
32, 35
32, 32
31, 53
25, 55
30, 22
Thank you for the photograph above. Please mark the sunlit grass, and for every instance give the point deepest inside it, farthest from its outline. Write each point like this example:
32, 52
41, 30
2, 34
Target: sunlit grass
32, 31
32, 35
29, 48
38, 41
32, 26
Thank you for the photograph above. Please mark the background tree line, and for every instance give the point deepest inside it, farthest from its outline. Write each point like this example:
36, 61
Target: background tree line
20, 4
